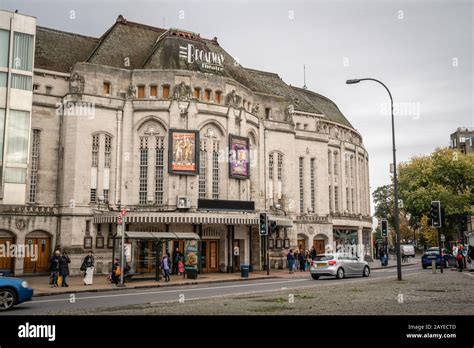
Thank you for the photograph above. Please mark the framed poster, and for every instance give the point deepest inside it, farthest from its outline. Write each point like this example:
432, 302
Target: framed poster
191, 254
87, 242
183, 156
99, 242
239, 158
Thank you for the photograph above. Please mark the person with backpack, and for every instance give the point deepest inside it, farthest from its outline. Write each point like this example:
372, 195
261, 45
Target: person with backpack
460, 256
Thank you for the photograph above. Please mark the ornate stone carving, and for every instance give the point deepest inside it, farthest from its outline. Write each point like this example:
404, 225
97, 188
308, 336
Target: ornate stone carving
289, 111
255, 109
131, 91
232, 99
20, 224
182, 92
76, 83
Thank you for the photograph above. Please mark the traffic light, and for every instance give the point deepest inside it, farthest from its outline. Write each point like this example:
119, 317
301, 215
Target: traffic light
273, 226
263, 227
435, 214
384, 224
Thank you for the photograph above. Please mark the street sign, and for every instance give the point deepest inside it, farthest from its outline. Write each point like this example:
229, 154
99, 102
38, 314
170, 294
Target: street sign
443, 238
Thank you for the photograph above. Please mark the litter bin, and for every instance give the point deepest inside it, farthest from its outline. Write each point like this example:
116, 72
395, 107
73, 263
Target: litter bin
244, 271
191, 272
384, 260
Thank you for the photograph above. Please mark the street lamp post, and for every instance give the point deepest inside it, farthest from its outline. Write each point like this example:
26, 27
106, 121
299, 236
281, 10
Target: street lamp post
395, 179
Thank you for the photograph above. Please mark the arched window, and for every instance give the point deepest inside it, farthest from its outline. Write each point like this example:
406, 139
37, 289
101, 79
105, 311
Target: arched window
209, 166
275, 180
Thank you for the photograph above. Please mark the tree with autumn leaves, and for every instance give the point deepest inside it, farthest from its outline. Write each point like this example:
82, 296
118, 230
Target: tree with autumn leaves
446, 175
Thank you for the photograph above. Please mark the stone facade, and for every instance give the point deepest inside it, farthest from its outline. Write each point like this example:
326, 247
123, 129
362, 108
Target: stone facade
308, 165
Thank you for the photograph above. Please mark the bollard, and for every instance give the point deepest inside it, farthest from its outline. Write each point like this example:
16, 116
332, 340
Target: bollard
433, 266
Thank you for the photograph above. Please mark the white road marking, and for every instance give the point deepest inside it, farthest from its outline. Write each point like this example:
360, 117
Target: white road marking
217, 288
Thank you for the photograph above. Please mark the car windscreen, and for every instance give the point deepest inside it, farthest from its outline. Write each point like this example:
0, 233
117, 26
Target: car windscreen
324, 258
432, 252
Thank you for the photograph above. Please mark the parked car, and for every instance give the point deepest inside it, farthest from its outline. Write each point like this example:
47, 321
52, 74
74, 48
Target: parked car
433, 254
338, 265
407, 250
13, 291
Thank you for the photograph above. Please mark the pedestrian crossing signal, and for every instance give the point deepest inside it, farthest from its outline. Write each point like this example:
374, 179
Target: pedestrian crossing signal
384, 228
263, 226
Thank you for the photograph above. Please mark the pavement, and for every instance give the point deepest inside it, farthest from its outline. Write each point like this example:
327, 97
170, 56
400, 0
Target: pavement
41, 286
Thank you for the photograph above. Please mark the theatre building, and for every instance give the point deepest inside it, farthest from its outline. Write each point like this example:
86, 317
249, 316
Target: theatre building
165, 125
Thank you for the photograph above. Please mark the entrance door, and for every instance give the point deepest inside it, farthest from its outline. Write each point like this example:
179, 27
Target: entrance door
6, 262
301, 244
210, 256
43, 247
319, 246
146, 256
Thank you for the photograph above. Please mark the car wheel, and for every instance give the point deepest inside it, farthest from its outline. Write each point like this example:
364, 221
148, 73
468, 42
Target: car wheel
7, 299
315, 276
366, 272
340, 273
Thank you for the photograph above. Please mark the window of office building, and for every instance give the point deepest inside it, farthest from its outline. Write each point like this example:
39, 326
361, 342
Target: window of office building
18, 136
3, 79
21, 82
2, 131
34, 165
4, 47
22, 52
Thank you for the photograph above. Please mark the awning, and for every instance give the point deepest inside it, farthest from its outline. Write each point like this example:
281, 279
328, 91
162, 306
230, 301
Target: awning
160, 235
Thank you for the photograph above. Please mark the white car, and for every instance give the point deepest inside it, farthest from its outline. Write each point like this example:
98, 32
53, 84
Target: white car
407, 250
338, 265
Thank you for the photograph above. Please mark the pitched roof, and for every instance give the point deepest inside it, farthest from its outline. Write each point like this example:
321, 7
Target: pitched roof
131, 45
59, 50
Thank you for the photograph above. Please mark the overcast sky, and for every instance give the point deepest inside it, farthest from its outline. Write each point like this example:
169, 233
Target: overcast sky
423, 51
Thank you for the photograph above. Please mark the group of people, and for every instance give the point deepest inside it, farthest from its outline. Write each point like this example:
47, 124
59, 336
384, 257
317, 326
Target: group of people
174, 265
59, 267
300, 259
464, 256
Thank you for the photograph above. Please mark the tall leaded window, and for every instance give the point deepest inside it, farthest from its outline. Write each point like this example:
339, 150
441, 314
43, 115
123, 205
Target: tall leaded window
336, 198
348, 207
4, 47
330, 198
107, 151
215, 171
270, 166
336, 167
279, 177
94, 169
143, 176
95, 150
301, 172
329, 162
280, 166
202, 170
313, 184
159, 170
353, 200
34, 165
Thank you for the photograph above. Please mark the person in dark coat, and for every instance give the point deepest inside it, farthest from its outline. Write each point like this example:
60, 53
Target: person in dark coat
290, 257
302, 260
54, 268
313, 253
176, 257
64, 262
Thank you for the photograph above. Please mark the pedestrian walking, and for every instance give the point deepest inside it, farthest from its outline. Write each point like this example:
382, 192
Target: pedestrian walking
54, 268
296, 259
460, 256
290, 258
88, 268
165, 265
116, 272
64, 262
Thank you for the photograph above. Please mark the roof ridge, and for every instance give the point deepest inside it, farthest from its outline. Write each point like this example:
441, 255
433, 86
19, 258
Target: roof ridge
315, 93
262, 72
67, 33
